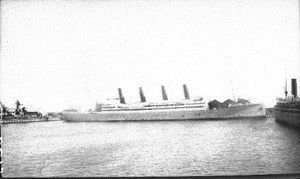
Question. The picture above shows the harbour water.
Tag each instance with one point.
(185, 148)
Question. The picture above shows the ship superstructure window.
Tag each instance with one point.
(155, 107)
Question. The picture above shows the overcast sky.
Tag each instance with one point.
(58, 54)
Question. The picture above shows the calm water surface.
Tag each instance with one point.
(185, 148)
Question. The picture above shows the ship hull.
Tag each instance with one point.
(245, 111)
(289, 116)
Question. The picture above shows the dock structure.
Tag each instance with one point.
(16, 120)
(186, 92)
(164, 93)
(142, 95)
(121, 97)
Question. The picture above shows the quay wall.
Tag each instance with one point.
(8, 121)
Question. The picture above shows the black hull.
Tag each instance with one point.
(287, 115)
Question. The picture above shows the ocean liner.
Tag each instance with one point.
(187, 109)
(288, 110)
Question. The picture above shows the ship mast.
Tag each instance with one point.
(232, 91)
(285, 87)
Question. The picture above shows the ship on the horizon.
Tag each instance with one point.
(287, 110)
(187, 109)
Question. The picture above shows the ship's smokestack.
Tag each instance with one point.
(164, 93)
(294, 87)
(186, 92)
(121, 97)
(143, 98)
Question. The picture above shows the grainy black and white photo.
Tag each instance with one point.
(159, 88)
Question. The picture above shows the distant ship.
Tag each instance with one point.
(187, 109)
(19, 115)
(288, 110)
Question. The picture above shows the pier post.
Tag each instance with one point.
(294, 87)
(186, 92)
(142, 95)
(121, 97)
(164, 93)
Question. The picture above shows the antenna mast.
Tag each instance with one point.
(285, 87)
(232, 91)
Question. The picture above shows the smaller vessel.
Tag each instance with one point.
(287, 110)
(19, 115)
